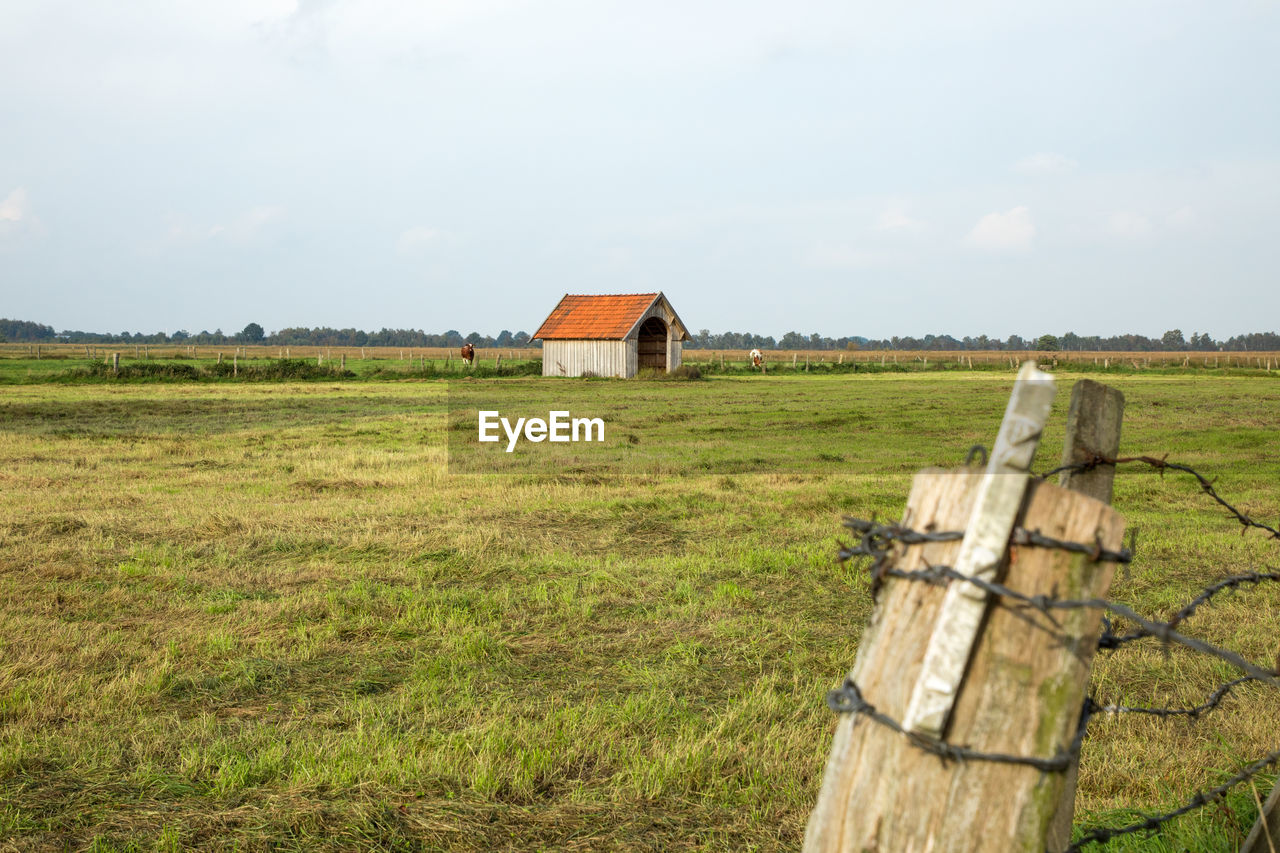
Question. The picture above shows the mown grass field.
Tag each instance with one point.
(266, 615)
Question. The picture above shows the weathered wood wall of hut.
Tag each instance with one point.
(574, 358)
(633, 356)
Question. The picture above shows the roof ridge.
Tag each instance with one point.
(606, 295)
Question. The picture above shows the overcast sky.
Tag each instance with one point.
(845, 168)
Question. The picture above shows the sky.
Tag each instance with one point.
(840, 167)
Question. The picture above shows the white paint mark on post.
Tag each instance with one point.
(985, 538)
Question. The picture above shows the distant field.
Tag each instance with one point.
(409, 359)
(250, 615)
(79, 363)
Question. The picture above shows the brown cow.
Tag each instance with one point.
(468, 354)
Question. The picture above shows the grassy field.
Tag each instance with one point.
(52, 362)
(254, 615)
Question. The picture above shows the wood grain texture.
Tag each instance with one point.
(1093, 427)
(1022, 693)
(995, 506)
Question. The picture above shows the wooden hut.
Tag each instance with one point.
(612, 335)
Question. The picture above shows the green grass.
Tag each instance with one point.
(261, 616)
(65, 365)
(67, 369)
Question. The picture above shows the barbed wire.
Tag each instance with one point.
(1150, 823)
(1215, 699)
(881, 541)
(1161, 464)
(848, 699)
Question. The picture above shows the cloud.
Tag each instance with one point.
(842, 256)
(247, 226)
(895, 218)
(1183, 217)
(420, 238)
(243, 228)
(1009, 231)
(1128, 225)
(1045, 163)
(249, 223)
(15, 206)
(16, 218)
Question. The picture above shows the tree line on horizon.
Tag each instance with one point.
(24, 331)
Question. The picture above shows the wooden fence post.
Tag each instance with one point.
(995, 506)
(1093, 428)
(115, 362)
(1021, 693)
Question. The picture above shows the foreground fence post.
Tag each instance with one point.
(1093, 429)
(1021, 693)
(986, 534)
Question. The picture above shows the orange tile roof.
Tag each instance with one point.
(595, 317)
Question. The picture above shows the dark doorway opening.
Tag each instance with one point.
(652, 345)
